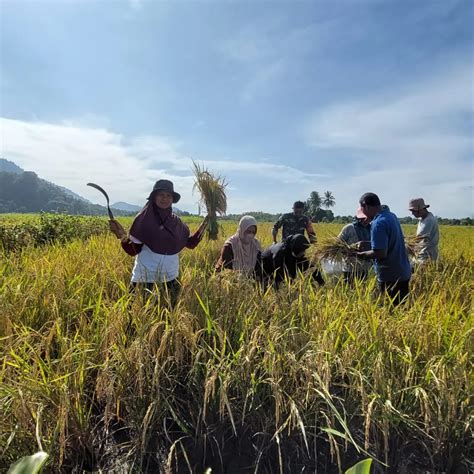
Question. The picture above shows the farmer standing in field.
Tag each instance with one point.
(427, 231)
(294, 223)
(156, 237)
(242, 251)
(387, 249)
(357, 232)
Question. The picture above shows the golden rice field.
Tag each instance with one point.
(306, 379)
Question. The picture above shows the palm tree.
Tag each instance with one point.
(313, 203)
(328, 200)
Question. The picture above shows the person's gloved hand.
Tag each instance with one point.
(117, 229)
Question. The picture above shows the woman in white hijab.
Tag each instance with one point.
(242, 251)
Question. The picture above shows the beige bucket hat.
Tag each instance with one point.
(417, 204)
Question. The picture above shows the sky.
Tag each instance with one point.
(281, 98)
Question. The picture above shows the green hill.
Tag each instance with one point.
(25, 192)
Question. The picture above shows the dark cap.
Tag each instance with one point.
(298, 205)
(165, 185)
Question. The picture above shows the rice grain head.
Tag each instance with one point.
(213, 196)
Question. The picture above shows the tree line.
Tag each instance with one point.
(318, 208)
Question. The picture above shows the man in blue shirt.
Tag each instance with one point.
(387, 249)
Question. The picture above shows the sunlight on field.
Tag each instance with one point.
(307, 376)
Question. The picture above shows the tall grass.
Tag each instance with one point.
(233, 377)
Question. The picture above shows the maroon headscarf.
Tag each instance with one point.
(160, 229)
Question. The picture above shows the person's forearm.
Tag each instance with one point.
(311, 232)
(371, 254)
(195, 238)
(274, 235)
(130, 247)
(368, 254)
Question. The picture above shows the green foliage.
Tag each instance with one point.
(328, 200)
(29, 464)
(362, 467)
(47, 229)
(259, 216)
(313, 204)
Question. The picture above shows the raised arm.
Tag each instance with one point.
(311, 232)
(194, 239)
(276, 226)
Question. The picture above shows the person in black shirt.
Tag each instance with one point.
(285, 259)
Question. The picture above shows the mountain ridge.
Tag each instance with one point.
(24, 191)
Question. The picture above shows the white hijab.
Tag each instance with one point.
(245, 251)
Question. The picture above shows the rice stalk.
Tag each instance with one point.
(413, 245)
(338, 250)
(335, 249)
(123, 383)
(213, 196)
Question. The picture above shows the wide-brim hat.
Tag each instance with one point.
(417, 204)
(165, 185)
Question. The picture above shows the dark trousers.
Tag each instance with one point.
(169, 290)
(397, 291)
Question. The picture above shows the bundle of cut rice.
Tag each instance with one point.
(335, 249)
(213, 196)
(413, 245)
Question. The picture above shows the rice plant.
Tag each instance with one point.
(335, 249)
(213, 196)
(234, 378)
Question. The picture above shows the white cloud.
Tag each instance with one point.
(408, 143)
(72, 155)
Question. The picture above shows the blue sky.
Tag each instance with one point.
(281, 98)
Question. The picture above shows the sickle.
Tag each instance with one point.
(96, 186)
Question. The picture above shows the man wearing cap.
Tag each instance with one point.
(294, 223)
(427, 231)
(387, 249)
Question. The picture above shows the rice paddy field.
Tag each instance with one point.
(306, 379)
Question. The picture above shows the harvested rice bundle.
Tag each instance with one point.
(335, 249)
(413, 245)
(213, 197)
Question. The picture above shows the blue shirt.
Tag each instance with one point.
(386, 234)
